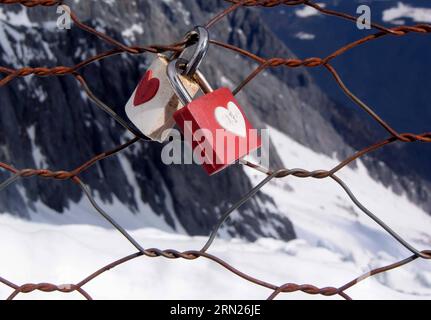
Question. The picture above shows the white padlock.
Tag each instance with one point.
(153, 103)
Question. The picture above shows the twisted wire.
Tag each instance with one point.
(264, 63)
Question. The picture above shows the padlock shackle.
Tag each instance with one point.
(203, 82)
(201, 49)
(174, 70)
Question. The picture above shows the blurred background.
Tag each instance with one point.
(295, 230)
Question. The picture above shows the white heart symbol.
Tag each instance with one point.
(231, 119)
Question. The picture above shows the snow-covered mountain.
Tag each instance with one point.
(48, 122)
(335, 244)
(391, 75)
(58, 127)
(397, 64)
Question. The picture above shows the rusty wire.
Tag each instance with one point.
(73, 175)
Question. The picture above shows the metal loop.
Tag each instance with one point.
(175, 68)
(202, 35)
(173, 72)
(203, 82)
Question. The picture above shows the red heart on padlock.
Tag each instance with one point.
(147, 89)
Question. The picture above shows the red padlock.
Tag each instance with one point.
(214, 124)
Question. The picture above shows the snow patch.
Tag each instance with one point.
(402, 10)
(305, 36)
(333, 246)
(38, 157)
(131, 32)
(307, 11)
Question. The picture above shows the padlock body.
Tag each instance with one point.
(217, 127)
(153, 103)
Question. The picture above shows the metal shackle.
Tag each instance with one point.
(174, 70)
(190, 68)
(201, 36)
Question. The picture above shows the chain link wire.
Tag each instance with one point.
(9, 74)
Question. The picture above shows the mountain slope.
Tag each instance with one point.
(389, 74)
(63, 121)
(50, 123)
(336, 244)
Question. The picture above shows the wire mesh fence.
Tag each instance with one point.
(9, 74)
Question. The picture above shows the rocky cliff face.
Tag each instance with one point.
(48, 122)
(387, 74)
